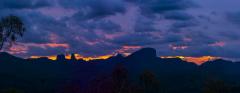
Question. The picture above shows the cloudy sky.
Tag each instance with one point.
(100, 27)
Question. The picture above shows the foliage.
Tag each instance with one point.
(11, 27)
(216, 86)
(149, 82)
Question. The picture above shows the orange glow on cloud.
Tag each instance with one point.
(46, 45)
(53, 45)
(126, 50)
(132, 47)
(18, 49)
(23, 48)
(196, 60)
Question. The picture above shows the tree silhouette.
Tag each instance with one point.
(11, 27)
(149, 82)
(216, 86)
(12, 90)
(116, 82)
(70, 88)
(120, 79)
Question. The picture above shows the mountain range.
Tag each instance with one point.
(175, 74)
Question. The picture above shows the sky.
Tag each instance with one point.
(102, 27)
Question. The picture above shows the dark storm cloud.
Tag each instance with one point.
(184, 24)
(90, 9)
(234, 17)
(138, 39)
(105, 25)
(178, 16)
(41, 26)
(109, 26)
(42, 52)
(34, 22)
(98, 27)
(161, 6)
(230, 36)
(23, 4)
(173, 38)
(144, 24)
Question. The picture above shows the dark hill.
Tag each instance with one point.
(6, 57)
(174, 75)
(144, 54)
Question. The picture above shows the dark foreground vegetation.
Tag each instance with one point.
(141, 72)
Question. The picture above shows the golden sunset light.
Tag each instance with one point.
(196, 60)
(77, 56)
(119, 46)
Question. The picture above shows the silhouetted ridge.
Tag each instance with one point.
(3, 54)
(118, 57)
(40, 60)
(145, 52)
(139, 72)
(6, 57)
(176, 60)
(221, 60)
(218, 62)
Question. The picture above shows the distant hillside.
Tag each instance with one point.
(174, 74)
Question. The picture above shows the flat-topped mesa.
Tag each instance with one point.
(73, 57)
(145, 53)
(61, 58)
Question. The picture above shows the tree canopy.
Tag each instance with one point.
(11, 28)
